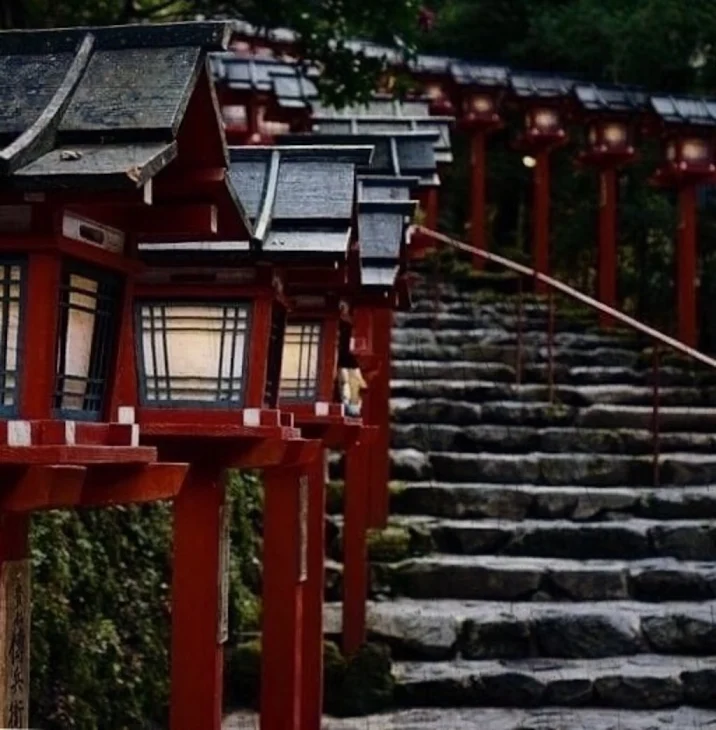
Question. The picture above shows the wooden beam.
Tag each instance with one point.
(106, 486)
(190, 184)
(187, 219)
(44, 487)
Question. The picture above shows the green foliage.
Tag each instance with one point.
(100, 617)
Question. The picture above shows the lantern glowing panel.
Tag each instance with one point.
(695, 150)
(481, 103)
(192, 352)
(85, 341)
(543, 120)
(11, 285)
(615, 134)
(299, 367)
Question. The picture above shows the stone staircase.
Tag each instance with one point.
(545, 581)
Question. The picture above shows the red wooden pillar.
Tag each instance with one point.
(312, 666)
(376, 412)
(478, 238)
(197, 610)
(686, 266)
(432, 203)
(284, 574)
(607, 274)
(355, 554)
(14, 620)
(541, 217)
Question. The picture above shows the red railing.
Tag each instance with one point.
(659, 339)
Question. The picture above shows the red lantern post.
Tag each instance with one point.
(543, 99)
(608, 113)
(687, 127)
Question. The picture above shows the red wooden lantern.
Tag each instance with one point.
(686, 127)
(544, 101)
(609, 114)
(77, 185)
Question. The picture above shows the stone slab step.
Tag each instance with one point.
(595, 470)
(613, 539)
(487, 718)
(418, 386)
(640, 682)
(443, 629)
(507, 578)
(520, 501)
(525, 439)
(625, 416)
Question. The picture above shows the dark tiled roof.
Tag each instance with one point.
(683, 110)
(97, 107)
(539, 86)
(286, 81)
(299, 199)
(385, 187)
(610, 98)
(380, 106)
(399, 154)
(467, 73)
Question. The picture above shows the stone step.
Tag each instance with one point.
(418, 387)
(443, 629)
(641, 682)
(613, 539)
(545, 718)
(541, 414)
(523, 501)
(525, 439)
(507, 578)
(594, 470)
(501, 372)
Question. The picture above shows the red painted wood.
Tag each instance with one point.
(124, 387)
(328, 359)
(607, 268)
(312, 630)
(26, 455)
(540, 253)
(257, 362)
(182, 220)
(281, 640)
(478, 218)
(14, 531)
(196, 655)
(686, 266)
(355, 553)
(376, 412)
(42, 487)
(37, 381)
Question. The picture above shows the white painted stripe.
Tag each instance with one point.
(19, 433)
(252, 417)
(70, 433)
(134, 439)
(322, 409)
(126, 414)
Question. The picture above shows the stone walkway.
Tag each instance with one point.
(489, 719)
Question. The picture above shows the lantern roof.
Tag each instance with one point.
(371, 124)
(382, 226)
(299, 199)
(684, 110)
(381, 105)
(281, 35)
(527, 85)
(468, 73)
(425, 63)
(620, 99)
(99, 108)
(385, 187)
(286, 81)
(400, 154)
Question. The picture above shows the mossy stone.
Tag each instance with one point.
(389, 545)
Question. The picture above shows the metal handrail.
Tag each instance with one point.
(556, 285)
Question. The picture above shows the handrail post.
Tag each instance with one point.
(655, 412)
(520, 316)
(550, 345)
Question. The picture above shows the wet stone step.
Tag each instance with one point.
(547, 718)
(502, 578)
(523, 501)
(525, 439)
(444, 629)
(593, 470)
(670, 418)
(641, 682)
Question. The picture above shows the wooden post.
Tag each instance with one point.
(355, 554)
(14, 621)
(686, 266)
(285, 569)
(376, 412)
(540, 252)
(478, 236)
(607, 268)
(199, 595)
(312, 666)
(431, 208)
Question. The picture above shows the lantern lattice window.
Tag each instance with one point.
(12, 285)
(193, 353)
(85, 341)
(299, 368)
